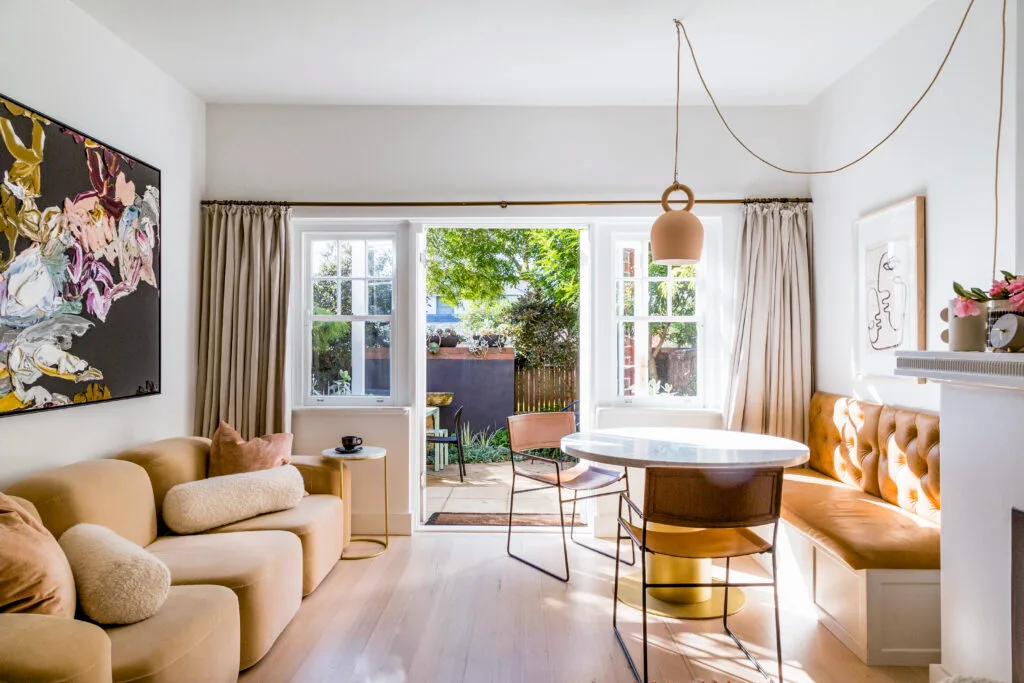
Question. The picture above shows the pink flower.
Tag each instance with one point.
(997, 289)
(1017, 302)
(1015, 286)
(964, 308)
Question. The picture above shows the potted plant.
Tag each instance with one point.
(449, 339)
(1005, 296)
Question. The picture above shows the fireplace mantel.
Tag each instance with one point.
(981, 408)
(1000, 370)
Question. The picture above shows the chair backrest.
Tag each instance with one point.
(712, 499)
(529, 431)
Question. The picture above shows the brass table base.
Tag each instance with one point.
(629, 594)
(383, 544)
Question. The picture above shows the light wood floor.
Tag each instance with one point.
(452, 607)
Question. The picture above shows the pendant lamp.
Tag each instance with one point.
(677, 236)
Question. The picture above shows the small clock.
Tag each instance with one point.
(1008, 333)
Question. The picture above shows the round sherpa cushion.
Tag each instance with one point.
(209, 503)
(118, 582)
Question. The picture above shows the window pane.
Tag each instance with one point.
(345, 290)
(378, 359)
(652, 269)
(345, 258)
(627, 359)
(657, 298)
(325, 258)
(380, 259)
(331, 359)
(629, 262)
(684, 298)
(378, 297)
(672, 367)
(325, 297)
(625, 298)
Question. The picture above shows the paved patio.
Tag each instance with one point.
(486, 489)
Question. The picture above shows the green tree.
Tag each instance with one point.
(480, 264)
(544, 332)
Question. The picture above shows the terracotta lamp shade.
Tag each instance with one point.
(677, 236)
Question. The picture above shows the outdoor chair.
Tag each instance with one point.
(722, 506)
(532, 431)
(455, 440)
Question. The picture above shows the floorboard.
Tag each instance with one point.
(452, 607)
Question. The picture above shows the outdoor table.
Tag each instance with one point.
(710, 449)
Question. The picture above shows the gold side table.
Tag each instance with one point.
(366, 453)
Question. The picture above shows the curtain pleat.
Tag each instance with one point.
(243, 313)
(770, 380)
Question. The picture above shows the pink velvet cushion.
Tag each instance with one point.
(231, 454)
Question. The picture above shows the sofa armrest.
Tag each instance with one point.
(320, 474)
(328, 476)
(37, 647)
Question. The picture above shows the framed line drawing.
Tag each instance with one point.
(891, 295)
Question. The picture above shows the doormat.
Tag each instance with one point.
(497, 519)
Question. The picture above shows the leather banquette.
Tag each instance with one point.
(870, 493)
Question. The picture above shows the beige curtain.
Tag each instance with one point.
(771, 383)
(243, 319)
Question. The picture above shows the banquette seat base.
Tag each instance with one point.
(861, 534)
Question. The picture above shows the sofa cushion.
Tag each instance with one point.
(112, 493)
(38, 647)
(170, 462)
(208, 503)
(263, 568)
(231, 454)
(117, 581)
(887, 452)
(193, 637)
(318, 522)
(34, 573)
(862, 530)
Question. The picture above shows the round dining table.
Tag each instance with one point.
(711, 449)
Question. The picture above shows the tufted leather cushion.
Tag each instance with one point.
(891, 453)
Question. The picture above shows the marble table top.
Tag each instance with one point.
(679, 447)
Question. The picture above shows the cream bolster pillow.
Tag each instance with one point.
(118, 582)
(209, 503)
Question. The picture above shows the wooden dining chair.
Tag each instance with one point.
(534, 431)
(723, 506)
(452, 440)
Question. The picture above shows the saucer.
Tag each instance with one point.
(344, 451)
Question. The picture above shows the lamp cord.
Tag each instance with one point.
(714, 103)
(679, 60)
(999, 140)
(681, 29)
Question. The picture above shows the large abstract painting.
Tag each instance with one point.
(890, 285)
(79, 267)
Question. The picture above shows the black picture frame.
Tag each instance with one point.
(104, 264)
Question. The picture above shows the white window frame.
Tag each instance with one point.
(303, 388)
(609, 274)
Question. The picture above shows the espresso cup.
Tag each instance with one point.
(350, 442)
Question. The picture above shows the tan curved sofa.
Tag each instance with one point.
(194, 636)
(268, 563)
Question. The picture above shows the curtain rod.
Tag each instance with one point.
(502, 204)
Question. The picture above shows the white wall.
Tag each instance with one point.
(945, 151)
(492, 153)
(65, 64)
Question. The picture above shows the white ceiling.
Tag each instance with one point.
(529, 52)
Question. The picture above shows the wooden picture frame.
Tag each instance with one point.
(891, 287)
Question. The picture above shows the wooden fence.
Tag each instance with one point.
(545, 389)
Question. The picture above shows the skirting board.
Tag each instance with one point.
(936, 674)
(373, 524)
